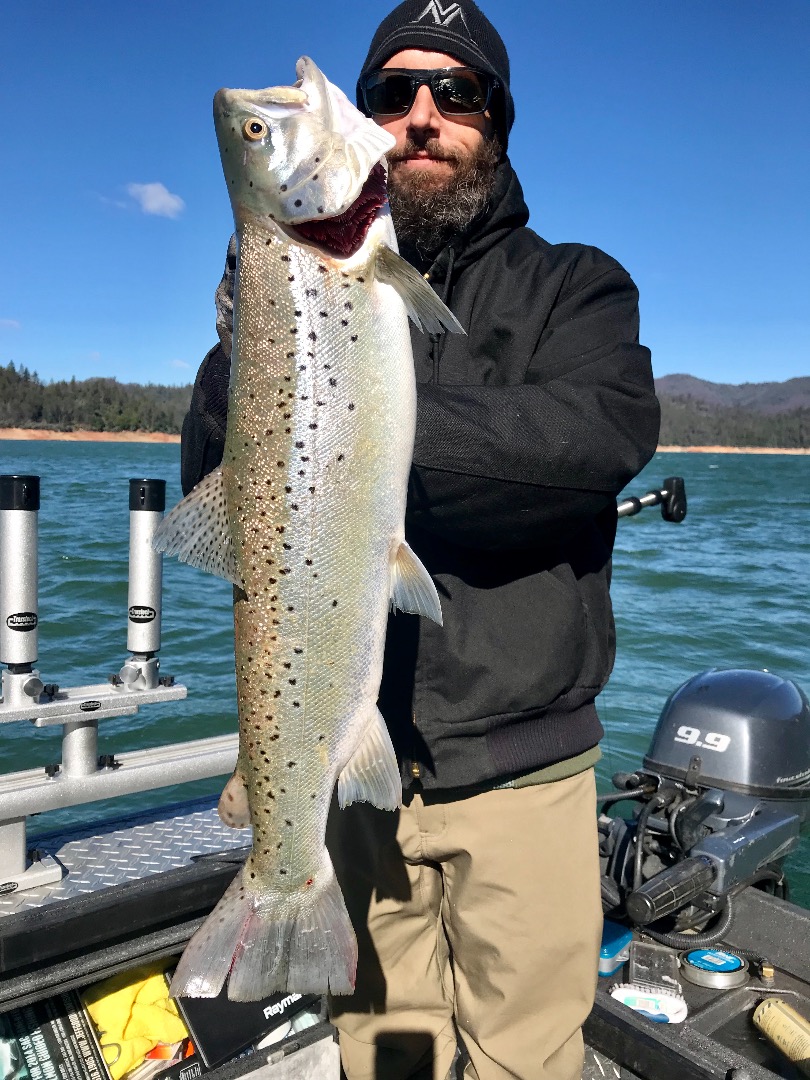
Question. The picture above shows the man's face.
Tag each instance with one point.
(428, 143)
(441, 172)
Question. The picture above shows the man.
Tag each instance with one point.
(477, 905)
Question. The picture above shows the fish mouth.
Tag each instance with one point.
(344, 235)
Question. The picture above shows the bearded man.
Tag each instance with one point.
(477, 906)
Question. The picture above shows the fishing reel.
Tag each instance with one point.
(722, 796)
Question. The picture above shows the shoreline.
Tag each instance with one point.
(44, 435)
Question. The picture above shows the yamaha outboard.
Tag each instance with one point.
(722, 795)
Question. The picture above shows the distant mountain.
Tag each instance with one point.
(768, 397)
(695, 412)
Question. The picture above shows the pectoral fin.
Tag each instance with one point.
(412, 587)
(372, 773)
(197, 530)
(424, 306)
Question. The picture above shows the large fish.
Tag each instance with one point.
(306, 518)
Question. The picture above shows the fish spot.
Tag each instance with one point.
(346, 285)
(324, 314)
(340, 457)
(308, 562)
(334, 603)
(361, 280)
(288, 489)
(296, 704)
(282, 872)
(297, 202)
(297, 314)
(303, 458)
(344, 322)
(299, 446)
(280, 464)
(312, 491)
(277, 693)
(320, 402)
(322, 269)
(350, 406)
(286, 546)
(313, 427)
(320, 209)
(291, 277)
(313, 336)
(354, 337)
(293, 329)
(333, 382)
(285, 258)
(310, 292)
(290, 764)
(283, 187)
(298, 651)
(349, 306)
(290, 356)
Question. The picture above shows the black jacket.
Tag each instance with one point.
(527, 429)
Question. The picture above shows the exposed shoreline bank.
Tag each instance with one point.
(43, 435)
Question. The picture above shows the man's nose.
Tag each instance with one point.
(424, 113)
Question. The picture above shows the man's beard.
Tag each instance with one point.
(428, 211)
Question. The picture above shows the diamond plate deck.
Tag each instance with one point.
(100, 856)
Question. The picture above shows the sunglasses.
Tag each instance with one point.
(457, 91)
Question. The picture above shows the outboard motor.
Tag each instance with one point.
(723, 793)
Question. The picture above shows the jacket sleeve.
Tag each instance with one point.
(202, 441)
(503, 467)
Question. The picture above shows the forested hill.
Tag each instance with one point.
(694, 412)
(89, 404)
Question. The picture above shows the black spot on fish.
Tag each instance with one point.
(308, 562)
(334, 603)
(320, 209)
(297, 314)
(323, 269)
(310, 292)
(303, 458)
(361, 279)
(340, 457)
(333, 382)
(297, 202)
(350, 406)
(296, 704)
(313, 336)
(299, 446)
(324, 314)
(344, 322)
(314, 176)
(283, 187)
(293, 329)
(313, 426)
(354, 337)
(291, 277)
(298, 651)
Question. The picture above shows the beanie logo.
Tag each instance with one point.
(443, 16)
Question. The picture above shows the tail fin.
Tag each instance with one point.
(299, 942)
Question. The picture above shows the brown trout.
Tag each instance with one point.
(306, 517)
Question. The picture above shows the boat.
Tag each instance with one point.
(692, 864)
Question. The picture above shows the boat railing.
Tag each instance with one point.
(83, 775)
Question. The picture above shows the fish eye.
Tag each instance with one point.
(254, 129)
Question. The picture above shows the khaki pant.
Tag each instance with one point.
(479, 917)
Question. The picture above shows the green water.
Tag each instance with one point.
(726, 588)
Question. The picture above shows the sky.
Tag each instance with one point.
(671, 133)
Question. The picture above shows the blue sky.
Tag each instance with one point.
(671, 133)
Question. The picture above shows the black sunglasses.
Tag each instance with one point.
(457, 91)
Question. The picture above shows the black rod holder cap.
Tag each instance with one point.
(19, 492)
(673, 508)
(147, 495)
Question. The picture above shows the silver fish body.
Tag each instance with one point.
(306, 517)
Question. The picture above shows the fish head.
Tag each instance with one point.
(297, 153)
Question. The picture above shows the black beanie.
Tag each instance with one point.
(461, 30)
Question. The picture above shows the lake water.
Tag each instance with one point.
(726, 588)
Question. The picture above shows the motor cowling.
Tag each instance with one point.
(750, 730)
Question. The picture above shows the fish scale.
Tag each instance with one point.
(306, 517)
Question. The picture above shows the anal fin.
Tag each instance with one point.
(372, 774)
(412, 587)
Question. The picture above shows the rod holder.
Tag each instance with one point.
(19, 579)
(147, 501)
